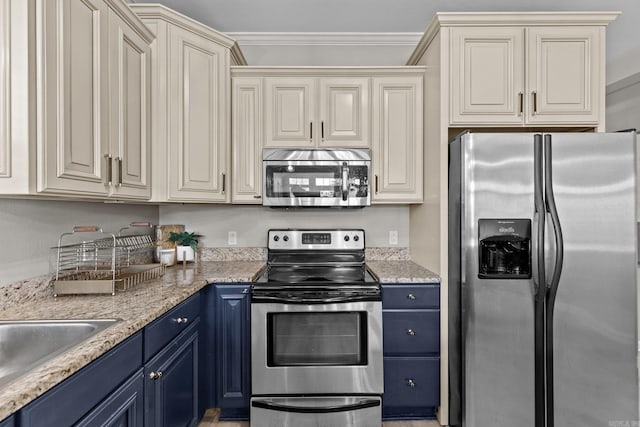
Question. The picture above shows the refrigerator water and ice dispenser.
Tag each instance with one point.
(504, 248)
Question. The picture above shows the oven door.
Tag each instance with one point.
(316, 183)
(323, 348)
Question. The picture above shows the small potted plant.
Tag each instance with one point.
(186, 245)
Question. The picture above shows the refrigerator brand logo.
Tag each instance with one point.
(507, 230)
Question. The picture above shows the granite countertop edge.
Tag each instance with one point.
(138, 307)
(401, 271)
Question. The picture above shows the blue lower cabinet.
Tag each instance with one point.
(123, 408)
(90, 388)
(411, 387)
(171, 384)
(411, 346)
(8, 422)
(233, 350)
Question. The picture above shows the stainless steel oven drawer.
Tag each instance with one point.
(335, 411)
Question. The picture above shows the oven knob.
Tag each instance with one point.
(346, 238)
(356, 238)
(285, 238)
(276, 238)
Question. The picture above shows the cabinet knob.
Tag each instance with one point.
(411, 332)
(246, 291)
(181, 320)
(411, 383)
(155, 375)
(257, 197)
(411, 297)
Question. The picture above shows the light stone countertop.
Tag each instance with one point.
(137, 307)
(402, 271)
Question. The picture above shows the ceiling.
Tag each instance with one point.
(242, 19)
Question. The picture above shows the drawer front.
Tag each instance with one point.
(411, 296)
(411, 332)
(167, 327)
(411, 382)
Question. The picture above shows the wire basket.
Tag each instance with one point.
(90, 261)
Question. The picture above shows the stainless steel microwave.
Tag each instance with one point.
(316, 177)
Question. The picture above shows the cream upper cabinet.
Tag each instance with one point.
(191, 100)
(330, 107)
(317, 111)
(246, 140)
(564, 77)
(289, 112)
(526, 75)
(130, 96)
(344, 112)
(78, 103)
(73, 60)
(397, 139)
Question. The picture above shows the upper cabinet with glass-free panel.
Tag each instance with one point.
(525, 69)
(303, 110)
(329, 107)
(192, 102)
(73, 68)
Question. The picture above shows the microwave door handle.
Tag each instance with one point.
(345, 181)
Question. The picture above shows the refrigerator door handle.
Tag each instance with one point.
(540, 286)
(539, 215)
(552, 286)
(555, 220)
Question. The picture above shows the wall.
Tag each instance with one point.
(252, 222)
(29, 228)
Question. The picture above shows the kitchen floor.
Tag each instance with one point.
(210, 419)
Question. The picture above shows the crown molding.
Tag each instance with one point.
(325, 39)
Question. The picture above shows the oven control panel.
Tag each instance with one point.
(350, 239)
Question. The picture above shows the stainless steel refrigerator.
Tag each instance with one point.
(542, 280)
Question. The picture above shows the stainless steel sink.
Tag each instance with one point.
(26, 344)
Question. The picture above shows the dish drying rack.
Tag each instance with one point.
(101, 263)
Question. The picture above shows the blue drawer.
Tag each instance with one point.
(411, 382)
(409, 296)
(411, 332)
(161, 331)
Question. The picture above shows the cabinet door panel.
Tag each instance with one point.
(487, 72)
(247, 140)
(397, 140)
(123, 408)
(73, 136)
(233, 348)
(344, 112)
(198, 150)
(564, 73)
(171, 382)
(130, 94)
(289, 112)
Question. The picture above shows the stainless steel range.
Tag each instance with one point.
(316, 333)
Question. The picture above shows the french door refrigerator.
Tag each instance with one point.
(542, 280)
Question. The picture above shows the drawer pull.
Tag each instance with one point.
(411, 383)
(155, 375)
(412, 297)
(181, 320)
(411, 332)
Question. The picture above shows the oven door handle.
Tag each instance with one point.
(304, 300)
(367, 403)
